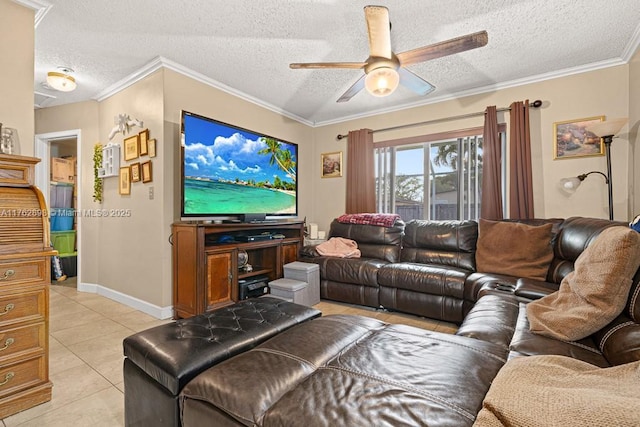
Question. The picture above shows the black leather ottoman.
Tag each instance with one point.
(160, 361)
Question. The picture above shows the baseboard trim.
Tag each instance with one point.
(133, 302)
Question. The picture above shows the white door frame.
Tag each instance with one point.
(42, 151)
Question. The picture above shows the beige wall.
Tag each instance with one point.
(634, 134)
(602, 92)
(130, 247)
(16, 71)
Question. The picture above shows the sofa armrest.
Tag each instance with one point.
(309, 251)
(534, 289)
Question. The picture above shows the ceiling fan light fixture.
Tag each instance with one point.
(382, 81)
(61, 80)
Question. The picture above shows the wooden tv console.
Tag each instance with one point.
(205, 260)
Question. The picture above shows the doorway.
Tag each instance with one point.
(58, 177)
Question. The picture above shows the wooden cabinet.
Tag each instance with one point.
(25, 274)
(205, 260)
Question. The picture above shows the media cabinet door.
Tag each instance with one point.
(219, 286)
(289, 252)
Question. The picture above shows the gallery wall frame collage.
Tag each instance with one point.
(141, 148)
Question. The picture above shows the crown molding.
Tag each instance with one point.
(160, 62)
(41, 7)
(481, 90)
(147, 69)
(632, 45)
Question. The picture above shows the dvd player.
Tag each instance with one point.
(253, 237)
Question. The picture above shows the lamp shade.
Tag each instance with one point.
(61, 81)
(607, 128)
(570, 184)
(382, 81)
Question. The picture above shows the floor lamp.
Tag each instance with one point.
(605, 130)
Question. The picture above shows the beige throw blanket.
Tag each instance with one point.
(560, 391)
(339, 247)
(595, 293)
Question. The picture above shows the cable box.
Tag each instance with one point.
(253, 237)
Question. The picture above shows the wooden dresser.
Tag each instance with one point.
(25, 276)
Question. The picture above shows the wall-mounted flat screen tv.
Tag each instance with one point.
(229, 171)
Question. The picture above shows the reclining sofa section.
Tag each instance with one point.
(428, 268)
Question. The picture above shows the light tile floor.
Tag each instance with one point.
(85, 361)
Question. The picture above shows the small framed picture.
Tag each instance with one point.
(144, 141)
(331, 164)
(146, 172)
(152, 147)
(571, 139)
(135, 172)
(125, 180)
(131, 148)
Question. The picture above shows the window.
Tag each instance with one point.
(438, 179)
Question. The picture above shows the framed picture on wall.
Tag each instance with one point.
(125, 181)
(146, 172)
(144, 141)
(131, 148)
(152, 147)
(571, 139)
(135, 172)
(331, 164)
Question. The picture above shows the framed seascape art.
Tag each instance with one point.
(125, 180)
(571, 139)
(131, 148)
(331, 164)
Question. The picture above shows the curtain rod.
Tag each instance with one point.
(535, 104)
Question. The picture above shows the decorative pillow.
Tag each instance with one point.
(514, 249)
(594, 293)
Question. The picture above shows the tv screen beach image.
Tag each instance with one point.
(228, 170)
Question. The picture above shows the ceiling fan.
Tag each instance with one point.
(383, 69)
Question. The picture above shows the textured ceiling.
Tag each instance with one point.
(247, 45)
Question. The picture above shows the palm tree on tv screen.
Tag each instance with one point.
(278, 155)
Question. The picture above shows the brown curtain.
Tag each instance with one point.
(361, 195)
(521, 182)
(491, 205)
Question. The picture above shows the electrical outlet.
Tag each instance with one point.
(150, 193)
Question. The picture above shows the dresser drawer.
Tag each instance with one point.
(24, 271)
(21, 340)
(23, 374)
(22, 306)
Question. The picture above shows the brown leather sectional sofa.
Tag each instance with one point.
(357, 371)
(428, 268)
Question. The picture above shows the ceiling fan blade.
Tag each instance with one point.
(379, 31)
(353, 90)
(355, 65)
(414, 82)
(448, 47)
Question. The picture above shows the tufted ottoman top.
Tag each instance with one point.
(174, 353)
